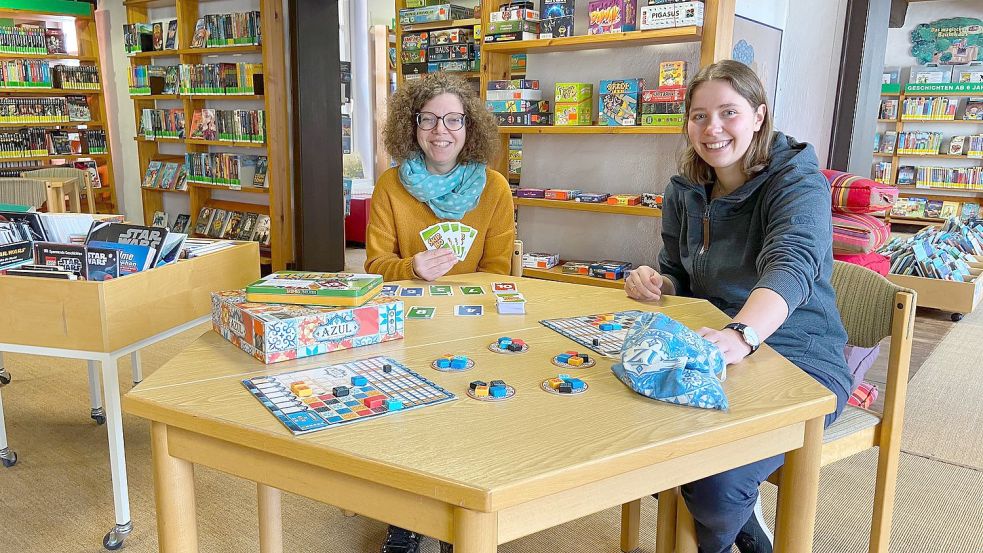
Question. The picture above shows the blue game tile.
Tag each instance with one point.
(359, 381)
(335, 419)
(360, 396)
(353, 403)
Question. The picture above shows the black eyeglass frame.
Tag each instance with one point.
(464, 120)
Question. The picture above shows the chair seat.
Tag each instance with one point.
(850, 421)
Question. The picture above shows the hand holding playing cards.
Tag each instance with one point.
(433, 264)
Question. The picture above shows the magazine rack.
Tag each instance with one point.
(103, 321)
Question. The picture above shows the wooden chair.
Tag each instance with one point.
(82, 184)
(871, 308)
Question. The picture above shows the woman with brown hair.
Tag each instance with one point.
(443, 138)
(746, 225)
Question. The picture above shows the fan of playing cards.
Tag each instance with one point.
(455, 236)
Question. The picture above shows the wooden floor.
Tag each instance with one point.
(931, 325)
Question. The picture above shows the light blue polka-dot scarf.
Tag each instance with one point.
(450, 196)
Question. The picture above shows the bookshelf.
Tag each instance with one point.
(274, 200)
(83, 52)
(949, 128)
(714, 39)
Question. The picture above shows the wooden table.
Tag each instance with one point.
(99, 322)
(56, 193)
(478, 474)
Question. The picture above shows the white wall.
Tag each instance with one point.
(644, 163)
(382, 12)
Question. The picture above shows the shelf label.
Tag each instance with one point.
(945, 88)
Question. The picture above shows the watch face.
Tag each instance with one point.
(751, 337)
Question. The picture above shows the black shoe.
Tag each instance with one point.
(399, 540)
(755, 537)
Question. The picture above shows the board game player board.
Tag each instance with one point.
(587, 329)
(308, 400)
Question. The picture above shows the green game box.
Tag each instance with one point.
(310, 288)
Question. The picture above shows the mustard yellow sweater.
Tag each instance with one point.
(396, 219)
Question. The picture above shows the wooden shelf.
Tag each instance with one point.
(50, 91)
(435, 25)
(940, 191)
(586, 129)
(9, 55)
(162, 190)
(247, 189)
(897, 219)
(637, 210)
(57, 156)
(155, 54)
(159, 139)
(958, 121)
(590, 42)
(940, 156)
(149, 3)
(223, 96)
(887, 120)
(882, 154)
(62, 124)
(557, 274)
(224, 143)
(138, 97)
(215, 50)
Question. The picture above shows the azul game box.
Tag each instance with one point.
(309, 288)
(278, 332)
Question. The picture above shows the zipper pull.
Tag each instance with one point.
(706, 229)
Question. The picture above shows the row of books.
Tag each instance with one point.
(920, 208)
(233, 125)
(233, 225)
(938, 252)
(209, 78)
(149, 37)
(953, 71)
(927, 143)
(227, 29)
(227, 169)
(965, 178)
(31, 39)
(64, 109)
(25, 73)
(882, 172)
(165, 175)
(41, 142)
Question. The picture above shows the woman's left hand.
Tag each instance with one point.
(729, 341)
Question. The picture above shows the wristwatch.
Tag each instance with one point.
(748, 334)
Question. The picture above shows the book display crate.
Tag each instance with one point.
(62, 20)
(947, 295)
(269, 95)
(101, 321)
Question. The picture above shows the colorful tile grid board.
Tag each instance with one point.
(586, 328)
(322, 409)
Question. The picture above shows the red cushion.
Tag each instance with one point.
(874, 261)
(854, 233)
(853, 194)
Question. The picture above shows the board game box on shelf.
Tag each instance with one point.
(278, 332)
(308, 288)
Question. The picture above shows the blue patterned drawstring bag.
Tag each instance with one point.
(665, 360)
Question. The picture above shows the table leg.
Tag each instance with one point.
(665, 531)
(270, 520)
(631, 514)
(6, 456)
(475, 532)
(174, 486)
(685, 527)
(117, 457)
(137, 367)
(798, 491)
(95, 393)
(55, 197)
(74, 200)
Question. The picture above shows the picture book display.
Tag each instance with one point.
(273, 332)
(314, 399)
(456, 236)
(604, 333)
(309, 288)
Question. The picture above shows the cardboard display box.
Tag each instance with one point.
(947, 295)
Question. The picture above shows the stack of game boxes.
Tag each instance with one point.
(618, 102)
(429, 11)
(664, 106)
(611, 16)
(514, 21)
(515, 156)
(610, 270)
(517, 102)
(414, 53)
(557, 19)
(452, 50)
(574, 104)
(666, 14)
(540, 260)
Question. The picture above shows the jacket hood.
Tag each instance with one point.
(787, 156)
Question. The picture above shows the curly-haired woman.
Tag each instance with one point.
(443, 137)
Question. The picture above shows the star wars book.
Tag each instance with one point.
(70, 257)
(122, 233)
(102, 263)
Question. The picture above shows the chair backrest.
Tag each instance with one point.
(70, 172)
(866, 301)
(22, 191)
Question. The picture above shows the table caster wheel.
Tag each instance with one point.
(4, 377)
(8, 458)
(956, 317)
(114, 539)
(99, 415)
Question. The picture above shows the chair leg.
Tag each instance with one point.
(631, 514)
(884, 488)
(685, 528)
(665, 535)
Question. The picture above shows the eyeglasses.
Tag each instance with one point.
(452, 121)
